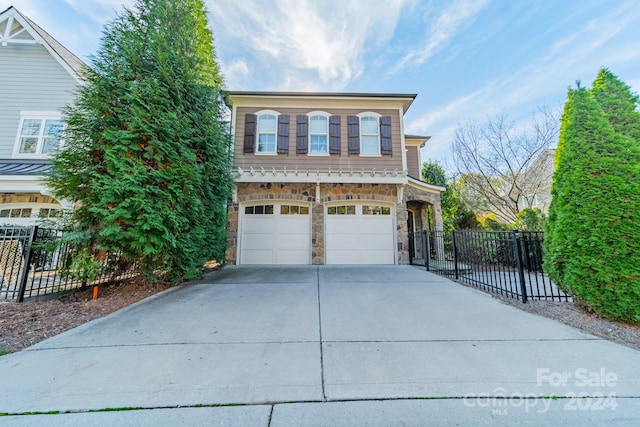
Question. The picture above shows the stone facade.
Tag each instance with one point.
(318, 195)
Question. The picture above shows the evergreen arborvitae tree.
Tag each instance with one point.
(618, 103)
(147, 156)
(592, 241)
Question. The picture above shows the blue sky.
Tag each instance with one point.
(466, 59)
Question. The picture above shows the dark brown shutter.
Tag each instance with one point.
(250, 133)
(385, 135)
(353, 133)
(283, 134)
(334, 135)
(302, 130)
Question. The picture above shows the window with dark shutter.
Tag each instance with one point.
(353, 133)
(385, 135)
(283, 134)
(250, 121)
(334, 135)
(302, 129)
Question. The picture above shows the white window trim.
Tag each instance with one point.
(310, 115)
(34, 206)
(377, 116)
(275, 147)
(35, 115)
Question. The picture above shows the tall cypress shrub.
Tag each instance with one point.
(146, 155)
(592, 244)
(618, 103)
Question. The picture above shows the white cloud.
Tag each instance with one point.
(327, 38)
(451, 21)
(234, 72)
(99, 11)
(542, 81)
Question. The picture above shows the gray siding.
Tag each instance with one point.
(303, 161)
(413, 162)
(32, 80)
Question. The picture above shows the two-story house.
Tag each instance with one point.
(325, 178)
(39, 76)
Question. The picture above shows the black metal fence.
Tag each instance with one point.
(36, 261)
(505, 262)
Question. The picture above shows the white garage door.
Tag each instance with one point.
(359, 234)
(275, 234)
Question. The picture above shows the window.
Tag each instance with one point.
(294, 210)
(341, 210)
(318, 134)
(267, 126)
(39, 136)
(49, 213)
(259, 210)
(376, 210)
(369, 135)
(15, 213)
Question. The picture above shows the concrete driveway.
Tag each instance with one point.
(309, 345)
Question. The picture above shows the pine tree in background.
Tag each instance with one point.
(147, 156)
(592, 240)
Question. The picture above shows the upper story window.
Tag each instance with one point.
(318, 133)
(39, 135)
(267, 131)
(369, 135)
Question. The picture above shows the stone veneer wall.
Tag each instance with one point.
(306, 192)
(413, 194)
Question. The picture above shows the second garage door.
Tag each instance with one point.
(275, 234)
(359, 234)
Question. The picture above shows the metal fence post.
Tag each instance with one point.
(516, 242)
(24, 275)
(455, 253)
(426, 247)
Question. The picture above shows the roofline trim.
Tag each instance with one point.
(322, 94)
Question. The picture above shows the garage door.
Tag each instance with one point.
(275, 234)
(359, 234)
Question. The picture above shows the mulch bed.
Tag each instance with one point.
(27, 323)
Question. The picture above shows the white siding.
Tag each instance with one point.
(31, 80)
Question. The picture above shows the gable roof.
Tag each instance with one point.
(19, 29)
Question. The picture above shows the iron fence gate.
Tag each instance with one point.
(36, 261)
(505, 262)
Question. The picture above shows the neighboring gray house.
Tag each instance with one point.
(536, 182)
(39, 76)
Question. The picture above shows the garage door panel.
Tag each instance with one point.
(258, 225)
(277, 237)
(291, 241)
(342, 241)
(294, 225)
(285, 256)
(376, 257)
(257, 241)
(338, 256)
(342, 225)
(254, 256)
(360, 238)
(379, 240)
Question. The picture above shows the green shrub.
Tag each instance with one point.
(592, 240)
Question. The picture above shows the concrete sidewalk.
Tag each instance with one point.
(343, 345)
